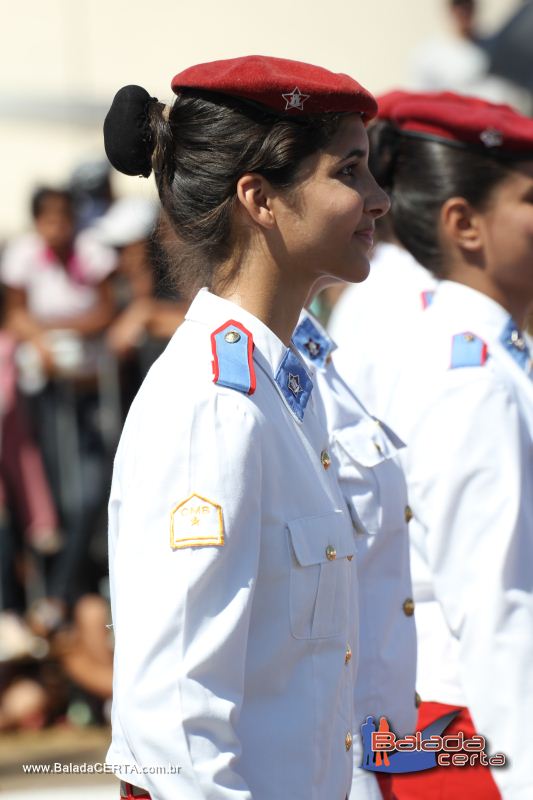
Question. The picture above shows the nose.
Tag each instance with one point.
(378, 201)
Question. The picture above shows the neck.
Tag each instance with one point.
(273, 295)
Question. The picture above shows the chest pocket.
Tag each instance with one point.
(321, 576)
(371, 477)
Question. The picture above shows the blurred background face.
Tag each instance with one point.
(508, 233)
(464, 13)
(55, 223)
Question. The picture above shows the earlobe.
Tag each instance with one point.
(254, 196)
(461, 224)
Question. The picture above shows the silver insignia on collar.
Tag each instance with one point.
(293, 384)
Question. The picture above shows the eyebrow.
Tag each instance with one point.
(356, 152)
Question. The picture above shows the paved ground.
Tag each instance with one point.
(65, 745)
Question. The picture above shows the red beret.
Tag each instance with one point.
(456, 118)
(284, 86)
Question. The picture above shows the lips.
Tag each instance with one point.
(367, 235)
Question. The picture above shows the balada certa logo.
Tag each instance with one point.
(383, 751)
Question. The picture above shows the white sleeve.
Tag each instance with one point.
(471, 486)
(18, 261)
(181, 616)
(97, 261)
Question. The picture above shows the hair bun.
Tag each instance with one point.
(128, 140)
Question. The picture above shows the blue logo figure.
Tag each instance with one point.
(401, 761)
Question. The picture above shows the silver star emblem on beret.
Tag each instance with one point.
(491, 137)
(295, 99)
(293, 384)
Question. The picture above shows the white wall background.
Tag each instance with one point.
(62, 60)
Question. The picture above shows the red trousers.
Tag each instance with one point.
(446, 783)
(126, 792)
(385, 786)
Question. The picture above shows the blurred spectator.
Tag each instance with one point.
(58, 300)
(92, 194)
(455, 61)
(27, 512)
(24, 489)
(55, 280)
(70, 680)
(150, 308)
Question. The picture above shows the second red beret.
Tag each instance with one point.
(460, 119)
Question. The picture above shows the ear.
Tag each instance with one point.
(461, 224)
(254, 193)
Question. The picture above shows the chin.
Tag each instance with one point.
(358, 273)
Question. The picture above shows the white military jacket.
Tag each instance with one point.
(370, 318)
(464, 404)
(234, 593)
(366, 456)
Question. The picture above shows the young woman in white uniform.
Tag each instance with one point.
(461, 173)
(231, 555)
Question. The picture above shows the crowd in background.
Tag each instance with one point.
(86, 307)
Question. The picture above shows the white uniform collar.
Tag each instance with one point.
(466, 307)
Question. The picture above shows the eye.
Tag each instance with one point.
(348, 171)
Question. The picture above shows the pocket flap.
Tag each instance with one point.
(312, 536)
(369, 442)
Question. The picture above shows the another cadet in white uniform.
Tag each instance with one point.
(365, 454)
(233, 581)
(463, 401)
(371, 320)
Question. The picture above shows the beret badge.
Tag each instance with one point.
(491, 137)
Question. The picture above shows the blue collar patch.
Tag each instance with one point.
(312, 343)
(514, 342)
(295, 384)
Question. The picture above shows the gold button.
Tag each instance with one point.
(328, 359)
(325, 459)
(408, 513)
(349, 558)
(378, 447)
(418, 700)
(468, 337)
(331, 553)
(232, 337)
(348, 654)
(348, 741)
(409, 607)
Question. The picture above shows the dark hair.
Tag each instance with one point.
(43, 194)
(200, 153)
(420, 174)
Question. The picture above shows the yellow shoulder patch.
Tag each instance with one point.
(196, 522)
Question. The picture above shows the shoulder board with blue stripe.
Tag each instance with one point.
(426, 298)
(233, 346)
(468, 350)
